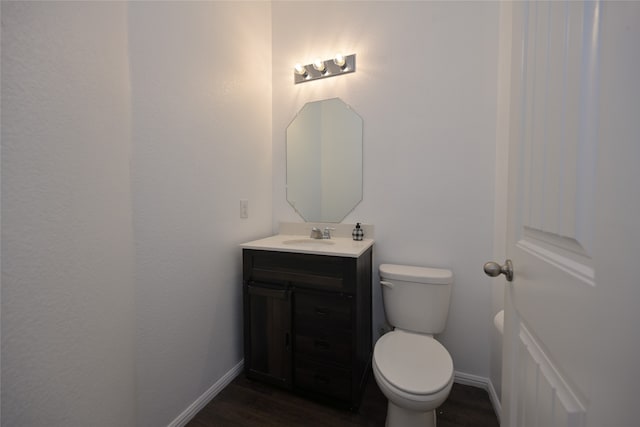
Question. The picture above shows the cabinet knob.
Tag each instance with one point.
(321, 344)
(321, 379)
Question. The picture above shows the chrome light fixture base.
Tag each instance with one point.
(332, 69)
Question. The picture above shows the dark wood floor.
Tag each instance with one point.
(246, 403)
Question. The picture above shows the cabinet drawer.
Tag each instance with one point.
(317, 311)
(330, 273)
(334, 348)
(322, 379)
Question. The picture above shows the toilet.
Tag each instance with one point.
(412, 369)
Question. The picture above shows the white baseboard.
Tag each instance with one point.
(495, 400)
(207, 396)
(480, 382)
(470, 379)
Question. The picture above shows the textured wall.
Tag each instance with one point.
(130, 133)
(201, 79)
(426, 88)
(68, 319)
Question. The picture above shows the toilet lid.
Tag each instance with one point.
(413, 363)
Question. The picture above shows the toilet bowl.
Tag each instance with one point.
(412, 369)
(415, 373)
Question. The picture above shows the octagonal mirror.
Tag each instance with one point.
(324, 161)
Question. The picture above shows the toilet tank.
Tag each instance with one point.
(416, 298)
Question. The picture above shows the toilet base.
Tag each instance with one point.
(401, 417)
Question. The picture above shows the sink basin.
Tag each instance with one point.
(310, 242)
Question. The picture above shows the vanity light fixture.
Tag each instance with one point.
(319, 69)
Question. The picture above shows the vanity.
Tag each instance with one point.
(307, 315)
(307, 302)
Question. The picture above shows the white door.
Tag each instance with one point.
(572, 312)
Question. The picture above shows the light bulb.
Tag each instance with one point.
(318, 64)
(300, 70)
(340, 61)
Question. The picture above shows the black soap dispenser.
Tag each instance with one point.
(358, 233)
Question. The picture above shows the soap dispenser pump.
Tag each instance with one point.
(358, 233)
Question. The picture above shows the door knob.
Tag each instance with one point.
(494, 269)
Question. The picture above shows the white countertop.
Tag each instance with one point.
(336, 246)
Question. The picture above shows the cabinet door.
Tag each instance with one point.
(268, 333)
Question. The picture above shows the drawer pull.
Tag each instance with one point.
(321, 379)
(321, 344)
(322, 311)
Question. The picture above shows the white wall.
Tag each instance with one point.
(130, 133)
(68, 320)
(426, 88)
(201, 90)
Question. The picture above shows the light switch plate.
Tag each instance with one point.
(244, 208)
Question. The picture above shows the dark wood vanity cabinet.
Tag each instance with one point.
(307, 322)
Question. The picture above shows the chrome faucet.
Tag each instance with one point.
(316, 233)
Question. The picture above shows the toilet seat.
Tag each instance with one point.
(414, 363)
